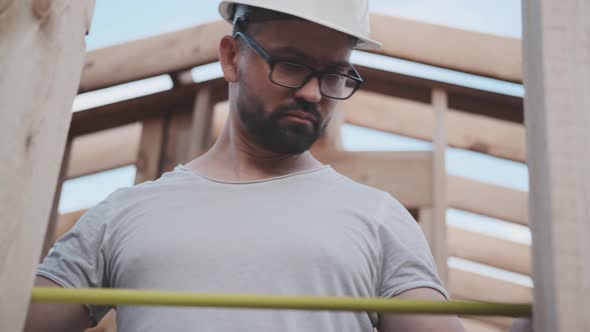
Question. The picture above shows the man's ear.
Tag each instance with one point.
(228, 58)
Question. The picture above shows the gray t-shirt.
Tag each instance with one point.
(308, 233)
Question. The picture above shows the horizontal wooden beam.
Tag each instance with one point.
(488, 199)
(473, 132)
(471, 52)
(153, 56)
(460, 98)
(489, 250)
(104, 150)
(462, 50)
(476, 287)
(140, 108)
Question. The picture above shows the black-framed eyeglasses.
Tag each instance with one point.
(293, 75)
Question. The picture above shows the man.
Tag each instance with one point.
(257, 213)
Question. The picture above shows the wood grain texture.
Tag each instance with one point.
(465, 285)
(472, 52)
(149, 154)
(162, 54)
(556, 36)
(104, 150)
(53, 216)
(200, 139)
(489, 250)
(42, 50)
(489, 199)
(439, 183)
(177, 136)
(473, 132)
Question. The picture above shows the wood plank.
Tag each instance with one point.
(104, 150)
(439, 183)
(476, 287)
(177, 136)
(42, 47)
(472, 52)
(489, 250)
(557, 80)
(140, 108)
(488, 199)
(150, 150)
(153, 56)
(406, 175)
(53, 216)
(461, 98)
(200, 139)
(477, 53)
(473, 132)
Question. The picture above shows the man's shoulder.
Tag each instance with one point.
(143, 192)
(350, 186)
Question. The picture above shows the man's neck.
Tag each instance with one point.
(235, 158)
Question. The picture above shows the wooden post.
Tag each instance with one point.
(177, 136)
(556, 36)
(439, 183)
(42, 52)
(54, 215)
(200, 138)
(150, 150)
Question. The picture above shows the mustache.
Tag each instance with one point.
(298, 105)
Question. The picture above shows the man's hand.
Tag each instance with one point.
(420, 323)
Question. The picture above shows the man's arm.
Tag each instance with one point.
(49, 317)
(420, 323)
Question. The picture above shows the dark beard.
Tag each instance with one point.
(272, 132)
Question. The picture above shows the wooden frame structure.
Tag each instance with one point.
(42, 53)
(158, 131)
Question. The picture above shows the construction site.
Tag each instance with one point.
(45, 144)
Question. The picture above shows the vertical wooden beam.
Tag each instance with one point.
(556, 36)
(54, 216)
(202, 123)
(150, 150)
(439, 182)
(177, 136)
(42, 50)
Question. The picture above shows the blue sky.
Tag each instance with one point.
(122, 21)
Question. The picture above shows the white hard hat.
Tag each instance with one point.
(348, 16)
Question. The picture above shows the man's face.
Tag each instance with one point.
(271, 115)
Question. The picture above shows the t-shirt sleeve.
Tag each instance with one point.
(407, 260)
(78, 259)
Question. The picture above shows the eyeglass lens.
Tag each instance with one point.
(293, 75)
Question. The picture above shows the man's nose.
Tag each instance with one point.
(310, 91)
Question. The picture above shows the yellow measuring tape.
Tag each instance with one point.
(109, 296)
